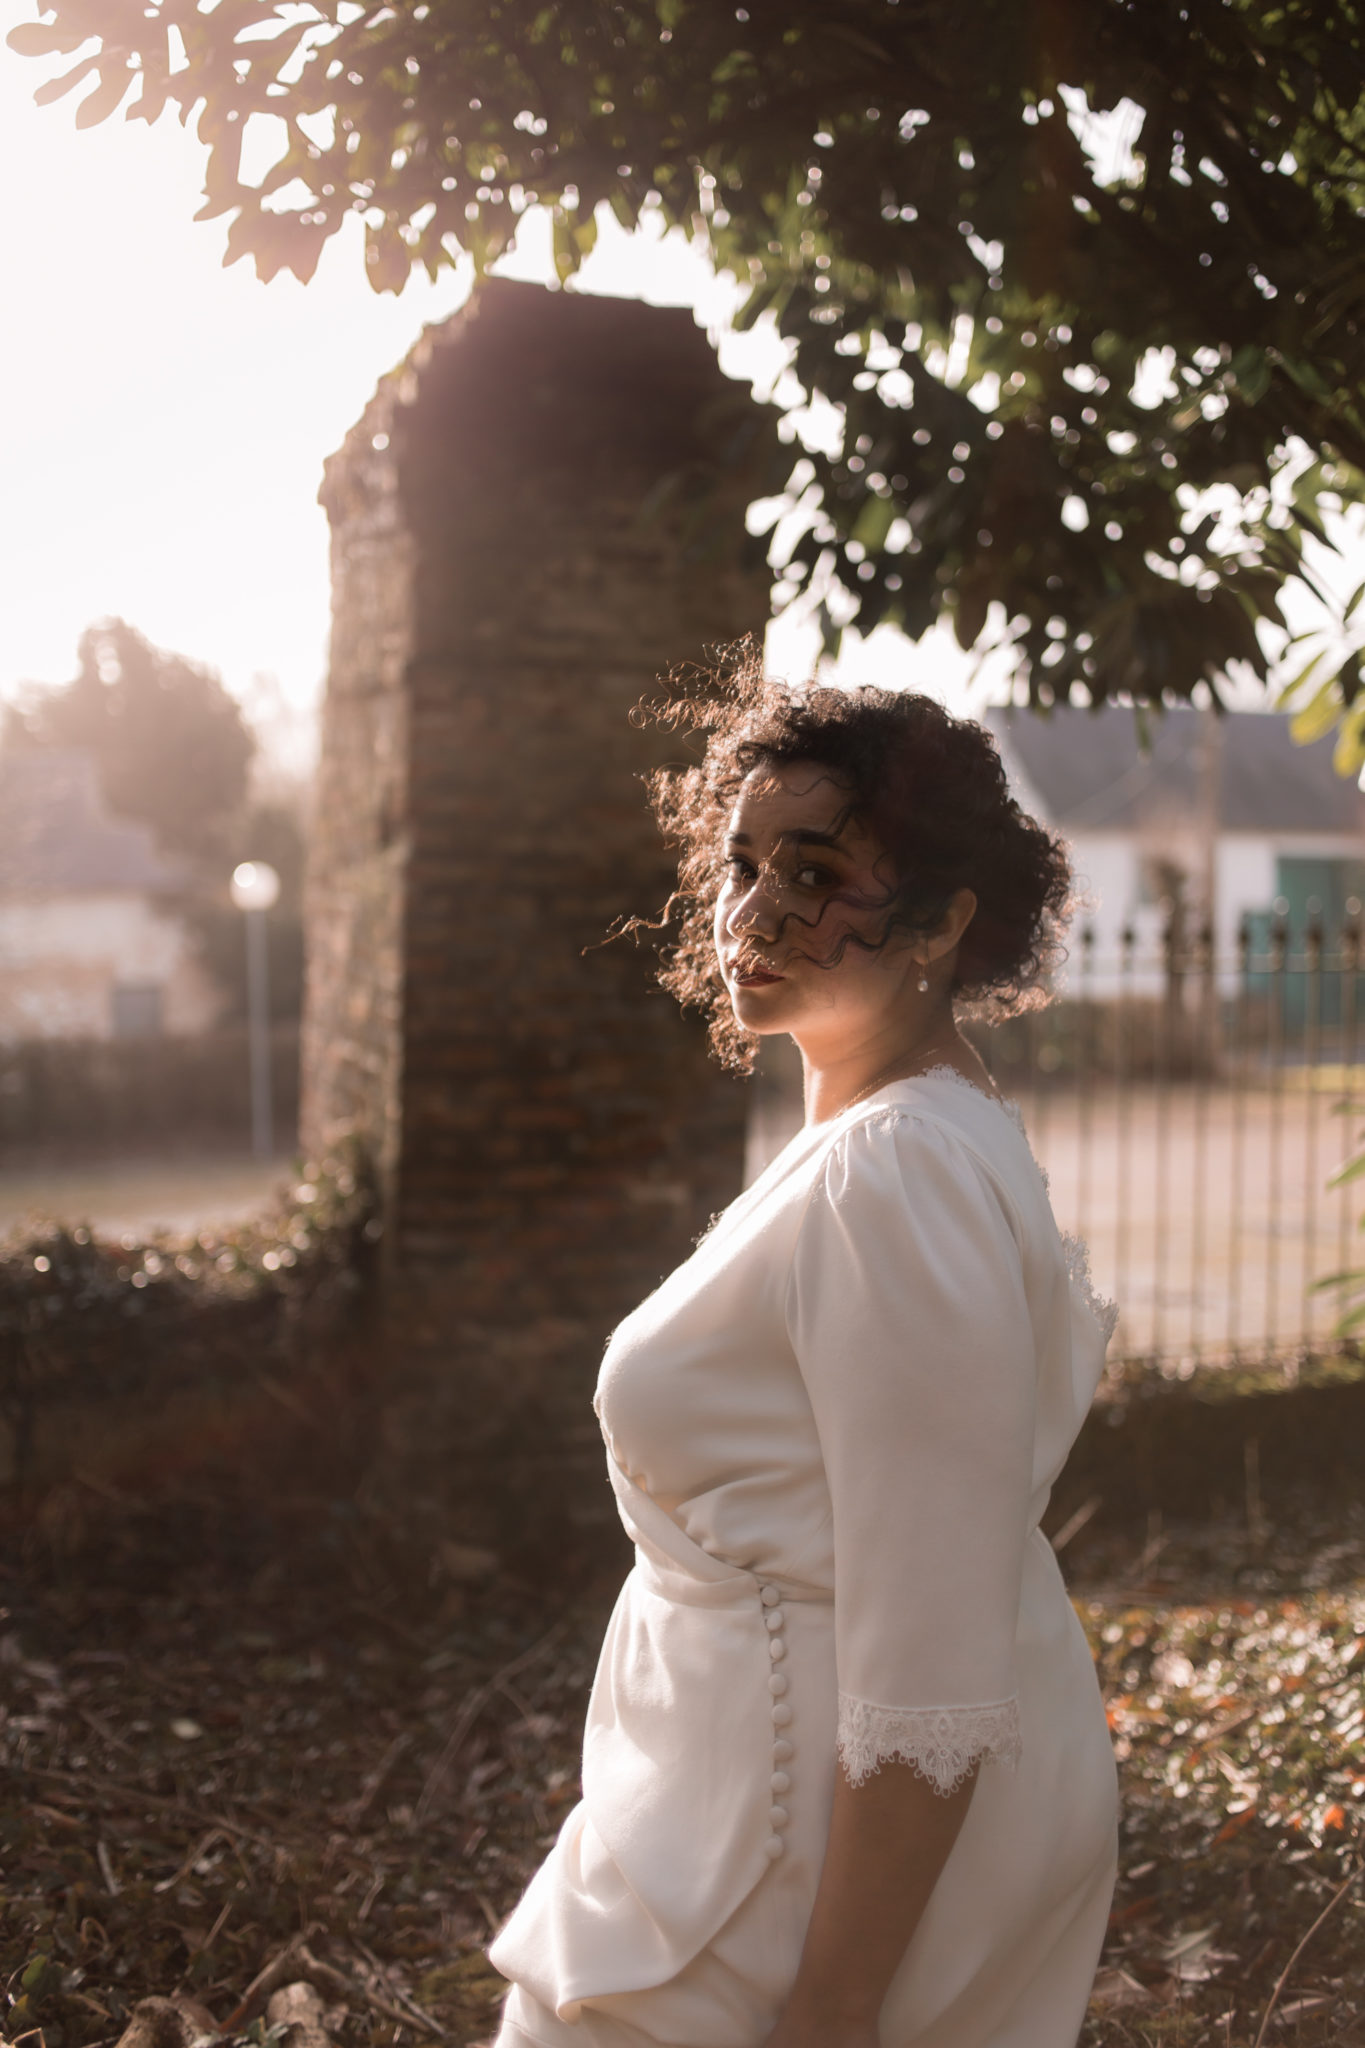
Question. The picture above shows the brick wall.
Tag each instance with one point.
(554, 516)
(351, 1052)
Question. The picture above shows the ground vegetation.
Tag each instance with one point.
(294, 1714)
(161, 1351)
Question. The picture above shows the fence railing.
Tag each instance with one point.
(103, 1096)
(1190, 1108)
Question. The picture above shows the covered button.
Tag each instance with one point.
(780, 1782)
(769, 1595)
(779, 1817)
(777, 1683)
(781, 1714)
(775, 1618)
(777, 1649)
(782, 1749)
(772, 1848)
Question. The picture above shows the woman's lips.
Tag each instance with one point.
(752, 976)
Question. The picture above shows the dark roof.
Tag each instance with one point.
(56, 837)
(1090, 772)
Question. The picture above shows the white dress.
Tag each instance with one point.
(832, 1433)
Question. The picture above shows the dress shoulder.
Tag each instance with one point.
(911, 1152)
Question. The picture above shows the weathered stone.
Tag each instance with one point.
(177, 2022)
(298, 2009)
(533, 520)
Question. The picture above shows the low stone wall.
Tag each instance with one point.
(132, 1364)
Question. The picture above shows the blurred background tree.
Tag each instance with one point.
(172, 747)
(1085, 277)
(174, 751)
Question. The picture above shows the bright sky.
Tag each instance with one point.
(168, 419)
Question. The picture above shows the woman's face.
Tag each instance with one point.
(802, 911)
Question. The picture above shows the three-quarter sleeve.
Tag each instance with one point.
(907, 1314)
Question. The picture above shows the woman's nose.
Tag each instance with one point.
(754, 912)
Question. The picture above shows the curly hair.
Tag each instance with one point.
(929, 787)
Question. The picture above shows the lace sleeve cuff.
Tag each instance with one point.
(940, 1743)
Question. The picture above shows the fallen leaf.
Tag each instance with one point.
(1115, 1989)
(1233, 1827)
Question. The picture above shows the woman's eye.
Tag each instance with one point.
(738, 870)
(812, 877)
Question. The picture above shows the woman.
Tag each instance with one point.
(846, 1775)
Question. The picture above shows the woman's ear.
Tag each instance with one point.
(947, 934)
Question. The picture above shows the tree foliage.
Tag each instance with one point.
(927, 196)
(170, 744)
(173, 750)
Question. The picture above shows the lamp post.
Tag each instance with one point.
(255, 888)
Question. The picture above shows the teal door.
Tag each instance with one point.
(1312, 894)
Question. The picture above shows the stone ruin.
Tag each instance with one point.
(538, 514)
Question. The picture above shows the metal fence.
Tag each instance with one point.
(1191, 1111)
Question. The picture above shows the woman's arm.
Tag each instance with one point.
(911, 1328)
(889, 1839)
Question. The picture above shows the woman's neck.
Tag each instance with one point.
(834, 1081)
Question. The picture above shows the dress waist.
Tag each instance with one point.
(671, 1564)
(664, 1578)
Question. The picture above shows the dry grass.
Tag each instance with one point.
(223, 1729)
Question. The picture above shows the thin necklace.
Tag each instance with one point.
(888, 1073)
(878, 1080)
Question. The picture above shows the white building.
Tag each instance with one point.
(1290, 832)
(91, 944)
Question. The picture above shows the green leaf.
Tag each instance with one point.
(45, 39)
(1298, 684)
(874, 522)
(1319, 716)
(969, 616)
(36, 1976)
(420, 92)
(387, 261)
(1306, 514)
(1308, 378)
(1328, 1281)
(108, 95)
(1348, 757)
(1251, 373)
(573, 240)
(57, 88)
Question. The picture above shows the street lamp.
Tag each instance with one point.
(255, 889)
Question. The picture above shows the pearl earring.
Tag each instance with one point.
(923, 984)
